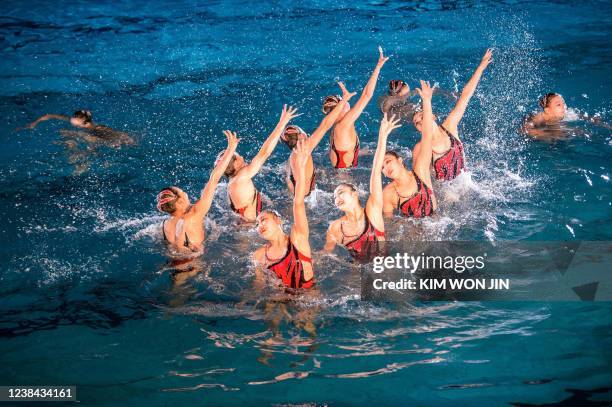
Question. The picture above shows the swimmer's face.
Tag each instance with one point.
(345, 198)
(404, 90)
(417, 120)
(78, 122)
(268, 225)
(556, 107)
(392, 166)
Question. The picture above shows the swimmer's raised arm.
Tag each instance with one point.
(353, 114)
(374, 206)
(268, 146)
(422, 161)
(455, 116)
(330, 119)
(44, 118)
(202, 206)
(300, 230)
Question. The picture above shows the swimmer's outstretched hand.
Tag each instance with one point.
(387, 125)
(486, 59)
(425, 91)
(346, 95)
(302, 153)
(381, 58)
(232, 139)
(288, 114)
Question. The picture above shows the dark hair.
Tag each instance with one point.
(167, 196)
(83, 114)
(393, 154)
(545, 100)
(329, 103)
(290, 135)
(230, 171)
(395, 86)
(352, 187)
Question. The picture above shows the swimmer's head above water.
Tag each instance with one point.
(330, 102)
(553, 105)
(172, 200)
(393, 165)
(398, 87)
(292, 134)
(417, 119)
(82, 118)
(346, 197)
(269, 225)
(236, 163)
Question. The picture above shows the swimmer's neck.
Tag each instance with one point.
(279, 241)
(355, 215)
(402, 180)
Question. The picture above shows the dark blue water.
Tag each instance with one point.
(87, 297)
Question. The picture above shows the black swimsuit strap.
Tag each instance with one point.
(449, 134)
(365, 230)
(268, 260)
(164, 229)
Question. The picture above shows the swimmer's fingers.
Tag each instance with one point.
(487, 58)
(381, 58)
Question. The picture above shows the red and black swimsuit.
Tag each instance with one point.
(367, 244)
(420, 204)
(450, 164)
(312, 181)
(289, 268)
(340, 155)
(256, 200)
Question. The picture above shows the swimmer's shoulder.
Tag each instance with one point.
(259, 256)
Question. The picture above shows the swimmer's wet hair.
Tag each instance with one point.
(83, 114)
(290, 135)
(230, 171)
(393, 154)
(352, 187)
(329, 103)
(545, 100)
(166, 200)
(395, 86)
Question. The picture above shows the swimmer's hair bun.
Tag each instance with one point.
(329, 103)
(83, 114)
(395, 86)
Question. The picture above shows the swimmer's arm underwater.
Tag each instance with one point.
(202, 206)
(455, 116)
(367, 93)
(269, 145)
(330, 119)
(48, 116)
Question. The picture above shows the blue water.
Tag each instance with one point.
(86, 294)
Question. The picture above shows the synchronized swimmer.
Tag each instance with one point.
(438, 155)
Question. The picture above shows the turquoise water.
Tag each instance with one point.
(87, 297)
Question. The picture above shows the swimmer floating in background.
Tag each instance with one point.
(245, 199)
(288, 257)
(344, 141)
(448, 157)
(293, 133)
(411, 192)
(82, 144)
(184, 230)
(547, 124)
(90, 131)
(362, 231)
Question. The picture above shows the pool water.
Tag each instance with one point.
(88, 298)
